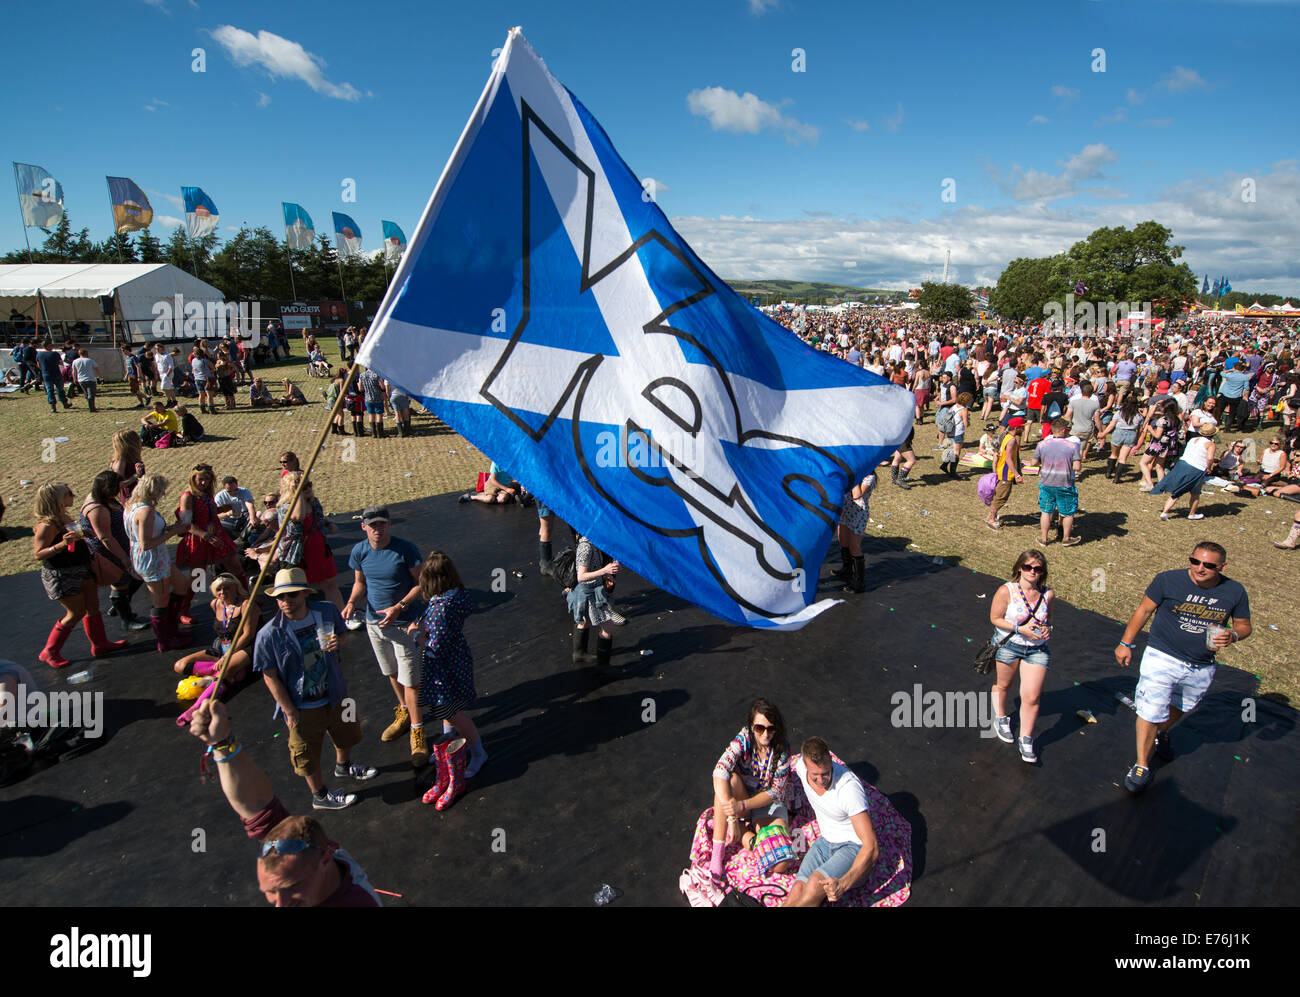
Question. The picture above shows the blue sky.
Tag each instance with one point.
(836, 172)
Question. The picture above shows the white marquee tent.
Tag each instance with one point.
(64, 294)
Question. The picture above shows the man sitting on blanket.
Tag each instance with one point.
(847, 849)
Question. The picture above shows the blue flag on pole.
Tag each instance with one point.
(299, 232)
(394, 242)
(347, 236)
(40, 197)
(201, 215)
(549, 312)
(1205, 284)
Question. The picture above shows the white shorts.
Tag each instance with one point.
(1166, 681)
(398, 653)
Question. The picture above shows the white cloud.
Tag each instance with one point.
(168, 221)
(173, 199)
(158, 5)
(1118, 117)
(1157, 122)
(760, 7)
(653, 187)
(1081, 168)
(858, 126)
(727, 110)
(1134, 97)
(281, 57)
(1222, 235)
(1065, 93)
(1038, 119)
(263, 99)
(1183, 80)
(895, 121)
(850, 264)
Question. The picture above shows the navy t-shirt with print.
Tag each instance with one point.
(1184, 610)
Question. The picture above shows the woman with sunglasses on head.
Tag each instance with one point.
(303, 543)
(205, 542)
(1022, 612)
(751, 783)
(101, 522)
(230, 604)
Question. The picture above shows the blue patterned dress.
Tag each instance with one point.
(447, 686)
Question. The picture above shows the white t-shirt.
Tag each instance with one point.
(1270, 461)
(85, 369)
(834, 808)
(1197, 452)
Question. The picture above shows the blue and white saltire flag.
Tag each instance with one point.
(299, 232)
(549, 312)
(201, 215)
(394, 242)
(347, 236)
(40, 197)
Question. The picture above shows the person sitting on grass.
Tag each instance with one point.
(292, 394)
(259, 395)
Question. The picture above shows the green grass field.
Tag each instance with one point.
(1125, 542)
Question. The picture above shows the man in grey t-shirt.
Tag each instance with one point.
(1082, 413)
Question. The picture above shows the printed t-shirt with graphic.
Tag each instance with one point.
(1184, 610)
(315, 669)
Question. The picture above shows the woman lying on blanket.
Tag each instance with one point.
(751, 782)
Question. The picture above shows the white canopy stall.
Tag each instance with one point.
(60, 296)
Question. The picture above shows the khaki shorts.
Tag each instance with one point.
(306, 739)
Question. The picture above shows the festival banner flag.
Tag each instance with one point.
(299, 232)
(550, 313)
(201, 215)
(1205, 284)
(40, 197)
(131, 209)
(1226, 287)
(347, 236)
(394, 242)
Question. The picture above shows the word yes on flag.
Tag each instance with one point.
(550, 313)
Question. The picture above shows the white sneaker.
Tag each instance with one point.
(1026, 746)
(1199, 515)
(1003, 727)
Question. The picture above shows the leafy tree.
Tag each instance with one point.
(1024, 287)
(1137, 266)
(945, 302)
(117, 248)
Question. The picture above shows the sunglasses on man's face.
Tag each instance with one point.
(1212, 565)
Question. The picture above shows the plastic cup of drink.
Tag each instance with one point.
(1210, 633)
(324, 632)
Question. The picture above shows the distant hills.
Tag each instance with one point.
(812, 291)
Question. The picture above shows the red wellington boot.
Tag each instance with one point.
(54, 645)
(442, 766)
(100, 645)
(455, 754)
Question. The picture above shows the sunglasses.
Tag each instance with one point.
(203, 467)
(1037, 569)
(285, 462)
(286, 846)
(763, 728)
(1212, 565)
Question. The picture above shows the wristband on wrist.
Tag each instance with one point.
(222, 761)
(1128, 645)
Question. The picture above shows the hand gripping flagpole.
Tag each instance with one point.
(238, 636)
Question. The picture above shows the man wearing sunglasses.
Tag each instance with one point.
(1192, 612)
(299, 866)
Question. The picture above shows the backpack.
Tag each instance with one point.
(945, 420)
(564, 568)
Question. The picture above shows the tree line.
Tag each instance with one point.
(253, 265)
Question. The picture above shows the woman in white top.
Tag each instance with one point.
(1022, 610)
(1188, 475)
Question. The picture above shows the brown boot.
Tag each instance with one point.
(400, 725)
(419, 748)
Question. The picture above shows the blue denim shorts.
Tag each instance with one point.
(831, 860)
(1011, 652)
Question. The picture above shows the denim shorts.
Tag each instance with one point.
(1123, 437)
(543, 511)
(375, 408)
(831, 860)
(1011, 652)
